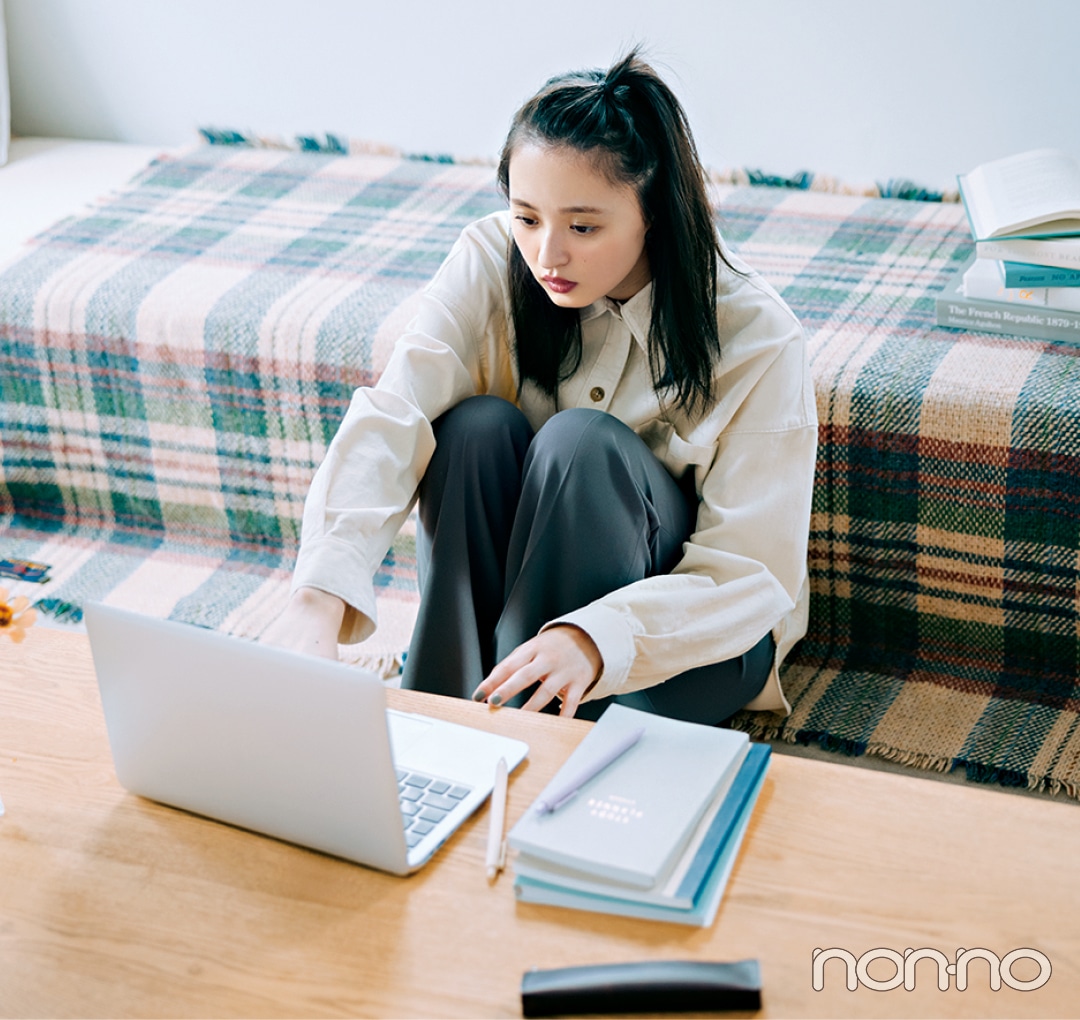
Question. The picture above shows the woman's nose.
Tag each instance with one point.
(552, 251)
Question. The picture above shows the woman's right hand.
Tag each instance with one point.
(309, 624)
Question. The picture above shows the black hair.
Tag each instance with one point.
(631, 123)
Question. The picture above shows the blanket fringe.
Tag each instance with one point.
(769, 727)
(386, 666)
(803, 180)
(1054, 786)
(806, 180)
(913, 759)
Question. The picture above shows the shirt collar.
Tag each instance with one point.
(636, 312)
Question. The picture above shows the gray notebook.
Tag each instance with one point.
(629, 822)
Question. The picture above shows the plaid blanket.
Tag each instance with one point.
(173, 365)
(943, 546)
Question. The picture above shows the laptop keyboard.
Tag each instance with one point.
(425, 801)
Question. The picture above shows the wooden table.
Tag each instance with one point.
(111, 905)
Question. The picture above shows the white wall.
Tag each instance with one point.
(860, 89)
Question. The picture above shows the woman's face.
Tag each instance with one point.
(582, 236)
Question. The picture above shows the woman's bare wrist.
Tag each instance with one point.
(321, 603)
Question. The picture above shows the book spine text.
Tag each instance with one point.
(993, 317)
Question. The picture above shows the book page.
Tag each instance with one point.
(1026, 189)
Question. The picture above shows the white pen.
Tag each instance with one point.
(496, 845)
(554, 799)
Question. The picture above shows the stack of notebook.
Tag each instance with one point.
(653, 835)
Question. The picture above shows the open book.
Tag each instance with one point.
(1033, 194)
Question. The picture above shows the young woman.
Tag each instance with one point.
(609, 424)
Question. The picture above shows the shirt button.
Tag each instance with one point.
(597, 394)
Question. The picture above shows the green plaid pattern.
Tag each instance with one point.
(173, 365)
(943, 546)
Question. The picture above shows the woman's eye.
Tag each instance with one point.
(527, 221)
(579, 228)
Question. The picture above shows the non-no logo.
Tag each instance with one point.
(857, 969)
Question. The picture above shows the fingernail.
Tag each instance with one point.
(495, 699)
(478, 695)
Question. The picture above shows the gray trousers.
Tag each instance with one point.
(517, 529)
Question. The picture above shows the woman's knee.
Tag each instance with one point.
(482, 415)
(580, 436)
(480, 427)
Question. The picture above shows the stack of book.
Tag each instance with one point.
(653, 835)
(1024, 278)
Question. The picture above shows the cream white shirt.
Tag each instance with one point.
(743, 570)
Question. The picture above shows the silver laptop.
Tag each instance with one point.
(299, 748)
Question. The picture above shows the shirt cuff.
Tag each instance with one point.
(613, 636)
(323, 564)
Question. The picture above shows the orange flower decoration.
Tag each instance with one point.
(15, 616)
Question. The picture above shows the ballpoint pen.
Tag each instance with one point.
(496, 845)
(554, 799)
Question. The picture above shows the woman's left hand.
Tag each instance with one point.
(562, 661)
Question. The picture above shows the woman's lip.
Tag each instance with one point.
(559, 285)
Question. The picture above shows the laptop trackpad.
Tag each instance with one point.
(405, 731)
